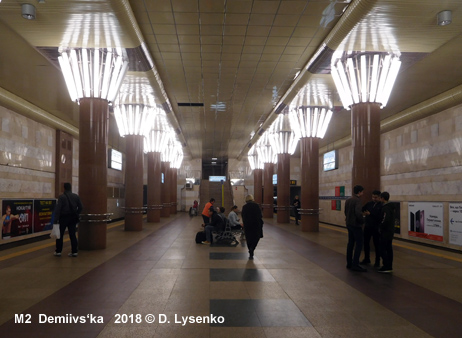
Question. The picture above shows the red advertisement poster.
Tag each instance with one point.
(43, 211)
(16, 218)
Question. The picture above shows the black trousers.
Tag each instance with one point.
(386, 250)
(355, 243)
(371, 232)
(69, 223)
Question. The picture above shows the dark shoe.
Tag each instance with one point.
(349, 266)
(365, 261)
(384, 269)
(377, 265)
(251, 257)
(73, 254)
(358, 268)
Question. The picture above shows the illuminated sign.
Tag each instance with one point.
(115, 159)
(330, 160)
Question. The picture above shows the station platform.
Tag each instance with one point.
(160, 283)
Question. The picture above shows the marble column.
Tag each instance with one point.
(283, 192)
(309, 199)
(268, 191)
(154, 187)
(165, 212)
(257, 184)
(134, 183)
(93, 140)
(365, 138)
(173, 191)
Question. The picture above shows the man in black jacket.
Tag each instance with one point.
(387, 231)
(67, 211)
(216, 224)
(354, 221)
(372, 210)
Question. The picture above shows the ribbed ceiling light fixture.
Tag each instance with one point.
(266, 154)
(307, 119)
(95, 73)
(157, 138)
(282, 137)
(364, 77)
(254, 160)
(133, 119)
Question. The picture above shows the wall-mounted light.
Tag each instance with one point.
(28, 11)
(444, 18)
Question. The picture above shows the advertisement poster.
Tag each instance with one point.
(426, 220)
(16, 218)
(455, 223)
(43, 210)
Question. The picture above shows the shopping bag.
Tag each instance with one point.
(55, 231)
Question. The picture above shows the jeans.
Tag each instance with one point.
(355, 242)
(69, 223)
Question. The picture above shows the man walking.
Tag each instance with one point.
(354, 221)
(67, 213)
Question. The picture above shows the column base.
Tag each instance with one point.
(310, 223)
(92, 236)
(134, 222)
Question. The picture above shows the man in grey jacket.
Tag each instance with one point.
(354, 219)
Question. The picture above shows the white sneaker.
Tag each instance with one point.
(58, 254)
(73, 254)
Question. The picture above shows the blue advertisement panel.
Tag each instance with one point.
(16, 218)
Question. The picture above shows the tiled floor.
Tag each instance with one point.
(160, 283)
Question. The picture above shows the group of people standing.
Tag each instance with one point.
(374, 220)
(252, 222)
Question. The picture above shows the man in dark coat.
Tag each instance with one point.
(253, 223)
(354, 221)
(387, 231)
(67, 211)
(372, 210)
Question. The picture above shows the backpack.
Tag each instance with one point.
(200, 237)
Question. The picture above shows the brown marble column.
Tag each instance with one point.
(365, 138)
(154, 187)
(309, 199)
(257, 186)
(173, 191)
(283, 208)
(134, 183)
(268, 191)
(165, 212)
(93, 139)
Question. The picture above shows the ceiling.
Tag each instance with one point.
(223, 69)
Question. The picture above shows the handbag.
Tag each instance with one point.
(55, 233)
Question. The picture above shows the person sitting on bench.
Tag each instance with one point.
(216, 224)
(234, 220)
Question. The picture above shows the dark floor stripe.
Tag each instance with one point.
(100, 292)
(435, 314)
